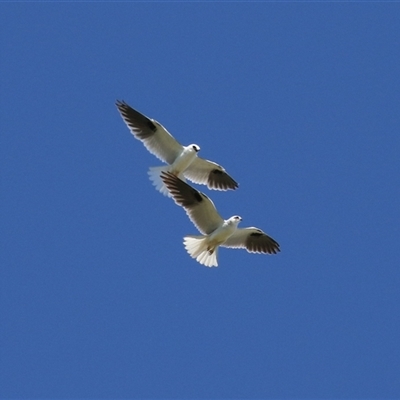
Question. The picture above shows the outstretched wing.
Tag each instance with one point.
(154, 136)
(211, 174)
(252, 239)
(199, 208)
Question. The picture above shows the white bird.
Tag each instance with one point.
(183, 160)
(216, 231)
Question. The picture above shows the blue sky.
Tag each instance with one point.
(299, 102)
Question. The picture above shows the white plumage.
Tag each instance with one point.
(183, 160)
(215, 230)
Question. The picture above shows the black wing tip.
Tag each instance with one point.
(178, 188)
(219, 180)
(166, 175)
(273, 246)
(265, 245)
(123, 107)
(274, 250)
(268, 250)
(121, 104)
(169, 179)
(136, 121)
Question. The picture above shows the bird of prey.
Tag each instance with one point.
(215, 230)
(183, 161)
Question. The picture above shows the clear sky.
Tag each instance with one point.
(299, 102)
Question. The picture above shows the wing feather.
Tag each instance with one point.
(199, 208)
(254, 240)
(154, 136)
(209, 173)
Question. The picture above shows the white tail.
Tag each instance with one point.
(196, 246)
(154, 175)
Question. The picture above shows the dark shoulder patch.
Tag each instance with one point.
(197, 196)
(216, 171)
(151, 125)
(256, 234)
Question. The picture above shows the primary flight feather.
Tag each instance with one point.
(215, 230)
(183, 160)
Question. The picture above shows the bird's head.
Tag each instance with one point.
(235, 219)
(195, 147)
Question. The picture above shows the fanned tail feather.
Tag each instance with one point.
(196, 246)
(154, 175)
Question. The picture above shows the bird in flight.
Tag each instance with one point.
(215, 230)
(183, 160)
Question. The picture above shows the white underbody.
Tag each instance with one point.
(205, 248)
(178, 167)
